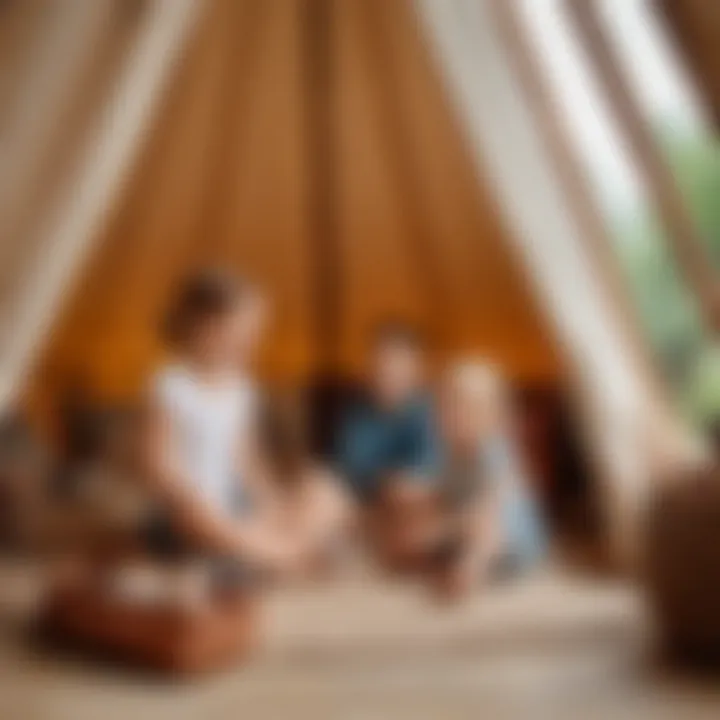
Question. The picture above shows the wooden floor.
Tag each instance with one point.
(552, 646)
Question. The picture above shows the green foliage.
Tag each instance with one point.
(666, 307)
(702, 389)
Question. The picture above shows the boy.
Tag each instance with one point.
(387, 443)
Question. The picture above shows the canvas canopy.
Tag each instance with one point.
(359, 158)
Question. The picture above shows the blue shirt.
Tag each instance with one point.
(376, 442)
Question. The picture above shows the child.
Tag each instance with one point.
(491, 520)
(386, 445)
(199, 449)
(387, 436)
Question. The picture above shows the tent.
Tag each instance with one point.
(358, 157)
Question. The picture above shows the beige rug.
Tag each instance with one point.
(552, 646)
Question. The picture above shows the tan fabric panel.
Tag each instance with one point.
(111, 93)
(21, 26)
(260, 225)
(379, 275)
(66, 77)
(106, 333)
(224, 178)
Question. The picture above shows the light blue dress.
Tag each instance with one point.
(521, 521)
(495, 471)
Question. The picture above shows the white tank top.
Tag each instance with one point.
(209, 425)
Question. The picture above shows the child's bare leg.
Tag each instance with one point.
(271, 546)
(319, 515)
(325, 510)
(478, 548)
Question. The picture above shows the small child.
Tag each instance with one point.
(493, 523)
(199, 448)
(386, 448)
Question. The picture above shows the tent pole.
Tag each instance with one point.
(519, 43)
(586, 212)
(688, 247)
(323, 220)
(326, 387)
(402, 153)
(618, 416)
(68, 231)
